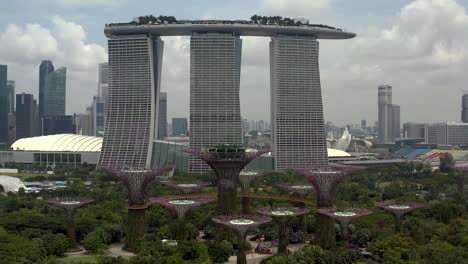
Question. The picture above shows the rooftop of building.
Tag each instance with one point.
(59, 143)
(259, 26)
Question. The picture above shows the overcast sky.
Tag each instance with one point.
(420, 47)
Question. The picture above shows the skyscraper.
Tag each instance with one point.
(11, 96)
(36, 120)
(24, 116)
(45, 68)
(54, 92)
(179, 126)
(103, 86)
(296, 102)
(389, 116)
(63, 124)
(4, 104)
(162, 115)
(464, 113)
(134, 86)
(215, 60)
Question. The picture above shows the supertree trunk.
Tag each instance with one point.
(182, 230)
(227, 197)
(345, 234)
(71, 233)
(283, 233)
(245, 205)
(397, 223)
(325, 236)
(136, 228)
(241, 254)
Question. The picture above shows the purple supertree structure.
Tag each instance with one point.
(186, 187)
(344, 216)
(227, 162)
(282, 215)
(245, 181)
(136, 182)
(181, 205)
(399, 210)
(241, 224)
(462, 170)
(325, 182)
(70, 205)
(302, 190)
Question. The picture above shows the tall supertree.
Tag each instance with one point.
(186, 187)
(136, 182)
(227, 162)
(302, 190)
(241, 224)
(181, 205)
(70, 205)
(325, 182)
(399, 210)
(344, 217)
(460, 178)
(282, 215)
(245, 180)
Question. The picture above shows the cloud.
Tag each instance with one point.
(295, 8)
(23, 48)
(91, 2)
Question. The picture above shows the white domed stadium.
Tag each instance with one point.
(10, 184)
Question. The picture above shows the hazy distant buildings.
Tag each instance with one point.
(464, 113)
(453, 134)
(103, 86)
(45, 68)
(54, 93)
(11, 96)
(53, 125)
(215, 61)
(4, 107)
(414, 130)
(179, 127)
(162, 116)
(25, 116)
(389, 116)
(296, 103)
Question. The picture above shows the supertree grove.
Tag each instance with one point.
(344, 217)
(136, 182)
(227, 162)
(325, 182)
(186, 188)
(245, 180)
(282, 215)
(70, 205)
(399, 210)
(181, 205)
(241, 224)
(302, 190)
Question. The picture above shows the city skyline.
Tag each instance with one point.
(359, 66)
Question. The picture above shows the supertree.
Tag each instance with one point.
(399, 210)
(241, 224)
(462, 170)
(344, 217)
(227, 162)
(187, 187)
(325, 182)
(245, 180)
(70, 205)
(282, 215)
(136, 182)
(302, 190)
(181, 205)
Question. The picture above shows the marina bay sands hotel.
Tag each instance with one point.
(135, 62)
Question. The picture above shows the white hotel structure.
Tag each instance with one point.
(135, 61)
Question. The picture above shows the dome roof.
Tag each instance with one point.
(60, 142)
(11, 184)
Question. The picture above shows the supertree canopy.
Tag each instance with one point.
(245, 180)
(282, 215)
(181, 205)
(186, 187)
(70, 205)
(399, 209)
(301, 189)
(227, 162)
(136, 182)
(325, 182)
(344, 217)
(241, 224)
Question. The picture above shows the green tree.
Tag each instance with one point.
(447, 163)
(96, 241)
(54, 244)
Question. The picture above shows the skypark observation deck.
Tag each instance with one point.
(238, 28)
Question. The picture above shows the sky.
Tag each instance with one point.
(420, 47)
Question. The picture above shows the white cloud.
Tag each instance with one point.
(295, 8)
(91, 2)
(22, 48)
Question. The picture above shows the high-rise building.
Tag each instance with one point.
(452, 134)
(103, 86)
(54, 93)
(45, 68)
(464, 113)
(162, 115)
(36, 119)
(4, 110)
(179, 126)
(134, 86)
(363, 124)
(296, 102)
(11, 96)
(53, 125)
(98, 116)
(215, 61)
(389, 116)
(414, 130)
(83, 123)
(24, 116)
